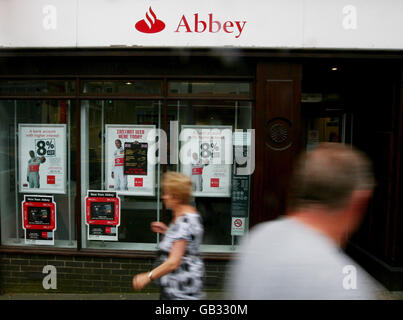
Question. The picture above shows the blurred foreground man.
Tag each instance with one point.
(299, 256)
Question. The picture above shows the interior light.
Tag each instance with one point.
(334, 69)
(128, 83)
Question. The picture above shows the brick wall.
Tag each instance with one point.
(80, 274)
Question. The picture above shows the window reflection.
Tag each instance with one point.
(129, 87)
(137, 212)
(37, 87)
(36, 113)
(210, 88)
(215, 211)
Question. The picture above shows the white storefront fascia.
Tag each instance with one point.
(293, 24)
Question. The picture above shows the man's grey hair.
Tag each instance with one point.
(328, 175)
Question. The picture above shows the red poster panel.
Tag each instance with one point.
(102, 210)
(39, 219)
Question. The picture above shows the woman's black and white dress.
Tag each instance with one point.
(186, 282)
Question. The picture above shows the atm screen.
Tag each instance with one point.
(38, 215)
(102, 211)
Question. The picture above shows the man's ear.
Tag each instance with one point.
(361, 199)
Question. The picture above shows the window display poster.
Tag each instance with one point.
(128, 170)
(102, 212)
(210, 174)
(42, 158)
(39, 219)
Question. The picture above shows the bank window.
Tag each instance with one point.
(123, 87)
(221, 194)
(326, 116)
(37, 87)
(38, 185)
(208, 89)
(117, 146)
(116, 165)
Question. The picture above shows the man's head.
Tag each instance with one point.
(31, 153)
(118, 143)
(333, 177)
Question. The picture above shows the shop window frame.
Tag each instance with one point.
(76, 99)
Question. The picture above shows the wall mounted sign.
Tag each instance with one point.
(238, 226)
(39, 219)
(240, 196)
(326, 24)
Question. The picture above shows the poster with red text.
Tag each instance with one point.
(42, 158)
(129, 161)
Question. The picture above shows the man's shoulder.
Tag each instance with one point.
(281, 226)
(285, 259)
(288, 237)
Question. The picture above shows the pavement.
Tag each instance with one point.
(216, 295)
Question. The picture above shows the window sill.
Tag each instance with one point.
(207, 253)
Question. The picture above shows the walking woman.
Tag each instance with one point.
(182, 270)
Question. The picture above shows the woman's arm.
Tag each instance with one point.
(158, 227)
(171, 264)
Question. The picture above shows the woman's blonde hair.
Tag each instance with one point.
(178, 185)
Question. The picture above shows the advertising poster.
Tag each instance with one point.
(102, 212)
(42, 158)
(39, 219)
(208, 165)
(128, 170)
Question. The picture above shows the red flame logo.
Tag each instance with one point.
(150, 24)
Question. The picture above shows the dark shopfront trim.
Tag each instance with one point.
(390, 277)
(135, 254)
(205, 52)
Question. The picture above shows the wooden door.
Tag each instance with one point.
(277, 125)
